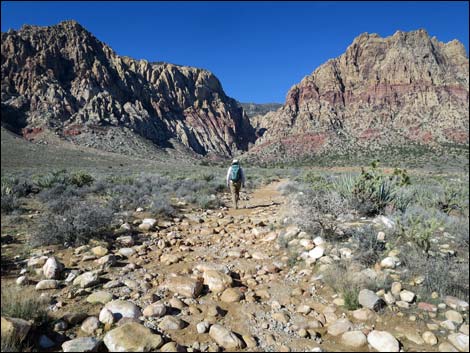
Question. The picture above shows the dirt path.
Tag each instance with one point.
(283, 306)
(267, 196)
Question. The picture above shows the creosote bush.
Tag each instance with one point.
(75, 226)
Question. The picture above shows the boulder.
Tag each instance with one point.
(82, 344)
(383, 341)
(370, 300)
(225, 338)
(132, 337)
(217, 281)
(122, 308)
(52, 268)
(185, 286)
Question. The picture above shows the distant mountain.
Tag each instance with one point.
(62, 78)
(253, 109)
(405, 89)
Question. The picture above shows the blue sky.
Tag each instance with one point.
(258, 50)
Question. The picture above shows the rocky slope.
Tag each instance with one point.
(63, 78)
(406, 88)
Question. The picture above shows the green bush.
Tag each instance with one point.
(373, 191)
(418, 228)
(81, 179)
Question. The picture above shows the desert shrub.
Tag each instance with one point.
(417, 226)
(369, 249)
(442, 274)
(75, 226)
(458, 227)
(315, 210)
(351, 298)
(161, 206)
(23, 303)
(10, 203)
(50, 179)
(19, 187)
(339, 278)
(373, 191)
(80, 179)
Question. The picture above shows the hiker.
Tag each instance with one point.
(235, 180)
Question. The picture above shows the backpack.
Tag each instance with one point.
(235, 173)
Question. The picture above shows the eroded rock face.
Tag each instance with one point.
(62, 77)
(405, 88)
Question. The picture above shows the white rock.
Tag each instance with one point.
(354, 339)
(52, 268)
(106, 316)
(383, 341)
(459, 341)
(407, 296)
(316, 253)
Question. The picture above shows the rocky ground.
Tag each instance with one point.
(221, 280)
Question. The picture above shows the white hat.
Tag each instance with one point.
(235, 161)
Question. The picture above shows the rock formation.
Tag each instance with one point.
(404, 89)
(64, 79)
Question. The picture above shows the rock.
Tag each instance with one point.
(449, 325)
(126, 252)
(447, 347)
(430, 338)
(15, 329)
(363, 314)
(113, 284)
(185, 286)
(396, 289)
(370, 300)
(45, 342)
(202, 327)
(106, 317)
(269, 237)
(454, 316)
(232, 295)
(459, 341)
(147, 224)
(90, 325)
(52, 268)
(82, 344)
(407, 296)
(171, 323)
(317, 252)
(402, 304)
(412, 336)
(99, 297)
(122, 308)
(172, 347)
(37, 261)
(427, 307)
(47, 284)
(389, 262)
(107, 260)
(155, 310)
(22, 280)
(217, 281)
(225, 338)
(456, 303)
(464, 329)
(87, 279)
(74, 318)
(339, 327)
(389, 298)
(280, 317)
(383, 341)
(99, 251)
(354, 339)
(132, 337)
(250, 341)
